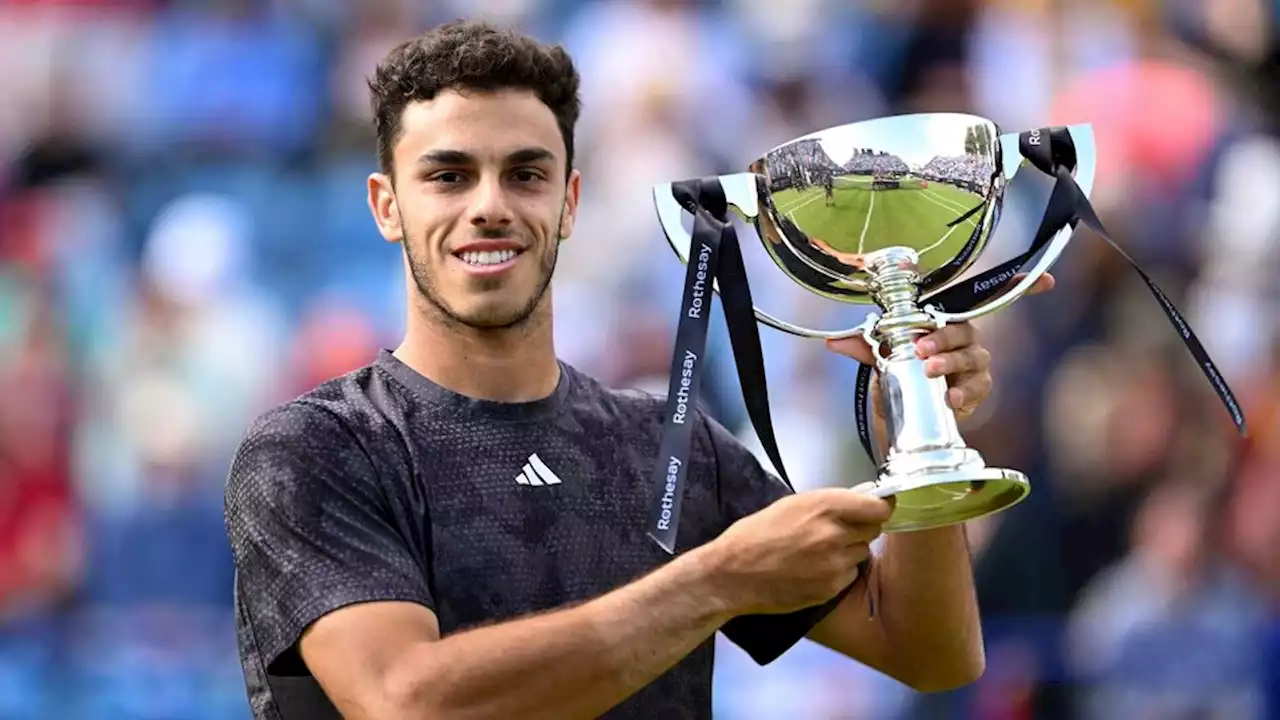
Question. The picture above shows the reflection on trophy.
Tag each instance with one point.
(886, 213)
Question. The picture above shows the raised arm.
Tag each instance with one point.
(927, 630)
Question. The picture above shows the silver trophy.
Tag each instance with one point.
(884, 215)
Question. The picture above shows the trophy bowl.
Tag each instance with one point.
(830, 201)
(880, 216)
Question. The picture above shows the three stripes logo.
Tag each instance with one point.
(536, 472)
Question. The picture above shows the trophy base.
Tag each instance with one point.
(936, 500)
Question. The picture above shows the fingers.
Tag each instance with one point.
(970, 392)
(845, 518)
(974, 359)
(1044, 283)
(867, 487)
(968, 372)
(858, 508)
(946, 339)
(854, 347)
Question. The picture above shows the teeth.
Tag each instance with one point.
(487, 257)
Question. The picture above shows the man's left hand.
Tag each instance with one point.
(952, 352)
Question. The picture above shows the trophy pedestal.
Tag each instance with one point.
(938, 499)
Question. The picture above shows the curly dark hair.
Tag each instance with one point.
(471, 55)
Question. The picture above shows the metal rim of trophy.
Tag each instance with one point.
(768, 200)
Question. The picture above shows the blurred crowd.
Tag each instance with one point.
(184, 242)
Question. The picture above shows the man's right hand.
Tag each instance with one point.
(797, 553)
(387, 660)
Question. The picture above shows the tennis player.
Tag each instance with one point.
(457, 529)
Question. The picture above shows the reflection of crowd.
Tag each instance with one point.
(801, 164)
(967, 171)
(805, 164)
(869, 162)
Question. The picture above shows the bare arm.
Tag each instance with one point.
(925, 631)
(385, 660)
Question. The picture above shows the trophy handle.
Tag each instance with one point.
(1051, 253)
(740, 192)
(1084, 172)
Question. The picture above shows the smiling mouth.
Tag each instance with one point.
(487, 258)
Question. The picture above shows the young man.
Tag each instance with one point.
(457, 529)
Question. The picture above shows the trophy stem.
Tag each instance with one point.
(895, 287)
(936, 478)
(921, 427)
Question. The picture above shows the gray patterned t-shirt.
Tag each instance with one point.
(381, 485)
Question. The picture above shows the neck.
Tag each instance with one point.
(516, 364)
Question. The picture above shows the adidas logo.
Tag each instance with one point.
(536, 472)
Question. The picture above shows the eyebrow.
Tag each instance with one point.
(446, 157)
(529, 155)
(523, 156)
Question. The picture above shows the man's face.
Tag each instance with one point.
(480, 201)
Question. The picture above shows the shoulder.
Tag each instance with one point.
(328, 435)
(327, 417)
(299, 428)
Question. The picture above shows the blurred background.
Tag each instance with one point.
(184, 242)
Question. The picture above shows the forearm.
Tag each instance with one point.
(572, 663)
(928, 607)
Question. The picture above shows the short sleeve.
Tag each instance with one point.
(310, 528)
(746, 487)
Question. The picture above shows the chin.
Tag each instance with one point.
(485, 306)
(496, 321)
(493, 316)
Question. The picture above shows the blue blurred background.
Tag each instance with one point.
(184, 242)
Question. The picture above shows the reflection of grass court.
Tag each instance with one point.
(861, 220)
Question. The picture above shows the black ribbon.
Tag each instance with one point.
(967, 215)
(955, 265)
(714, 254)
(715, 257)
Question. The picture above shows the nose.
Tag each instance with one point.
(490, 208)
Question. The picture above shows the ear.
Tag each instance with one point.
(572, 193)
(382, 203)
